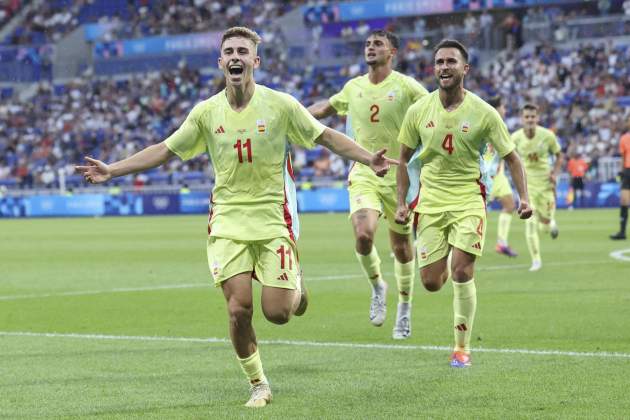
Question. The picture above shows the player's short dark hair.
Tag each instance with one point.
(241, 32)
(529, 107)
(495, 101)
(451, 43)
(393, 39)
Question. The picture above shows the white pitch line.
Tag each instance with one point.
(97, 292)
(621, 254)
(309, 279)
(300, 343)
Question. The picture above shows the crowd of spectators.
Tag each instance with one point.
(48, 21)
(580, 91)
(583, 93)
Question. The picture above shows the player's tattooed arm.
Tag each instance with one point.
(322, 109)
(402, 184)
(520, 182)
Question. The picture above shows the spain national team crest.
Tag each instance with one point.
(423, 253)
(261, 126)
(391, 96)
(216, 269)
(465, 127)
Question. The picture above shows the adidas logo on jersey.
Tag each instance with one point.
(283, 277)
(477, 246)
(430, 125)
(219, 130)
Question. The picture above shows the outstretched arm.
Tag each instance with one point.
(344, 146)
(402, 184)
(96, 171)
(322, 109)
(520, 181)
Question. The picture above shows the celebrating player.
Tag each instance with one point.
(376, 104)
(253, 224)
(538, 145)
(447, 132)
(501, 190)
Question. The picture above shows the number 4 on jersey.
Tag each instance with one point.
(447, 144)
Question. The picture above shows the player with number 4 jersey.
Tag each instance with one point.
(375, 104)
(446, 132)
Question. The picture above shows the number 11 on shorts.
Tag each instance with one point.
(282, 251)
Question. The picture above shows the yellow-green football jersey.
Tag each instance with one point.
(254, 195)
(450, 147)
(536, 154)
(375, 113)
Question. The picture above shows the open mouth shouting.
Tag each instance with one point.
(445, 77)
(235, 69)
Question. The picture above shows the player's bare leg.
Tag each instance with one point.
(238, 295)
(434, 275)
(505, 219)
(365, 222)
(404, 269)
(464, 305)
(279, 304)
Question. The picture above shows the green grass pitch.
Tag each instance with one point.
(115, 318)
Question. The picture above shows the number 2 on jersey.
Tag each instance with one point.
(447, 144)
(239, 145)
(375, 109)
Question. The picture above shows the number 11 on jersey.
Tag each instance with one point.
(239, 145)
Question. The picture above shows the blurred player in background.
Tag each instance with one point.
(501, 191)
(539, 146)
(624, 150)
(253, 225)
(447, 132)
(376, 103)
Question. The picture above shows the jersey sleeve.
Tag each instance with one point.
(554, 145)
(339, 100)
(188, 141)
(498, 135)
(303, 128)
(415, 89)
(408, 134)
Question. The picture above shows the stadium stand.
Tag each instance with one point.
(583, 87)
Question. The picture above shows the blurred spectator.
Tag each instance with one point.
(485, 22)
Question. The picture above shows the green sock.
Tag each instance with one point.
(404, 273)
(464, 305)
(371, 265)
(503, 230)
(252, 367)
(531, 235)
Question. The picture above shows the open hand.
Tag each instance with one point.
(380, 163)
(95, 172)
